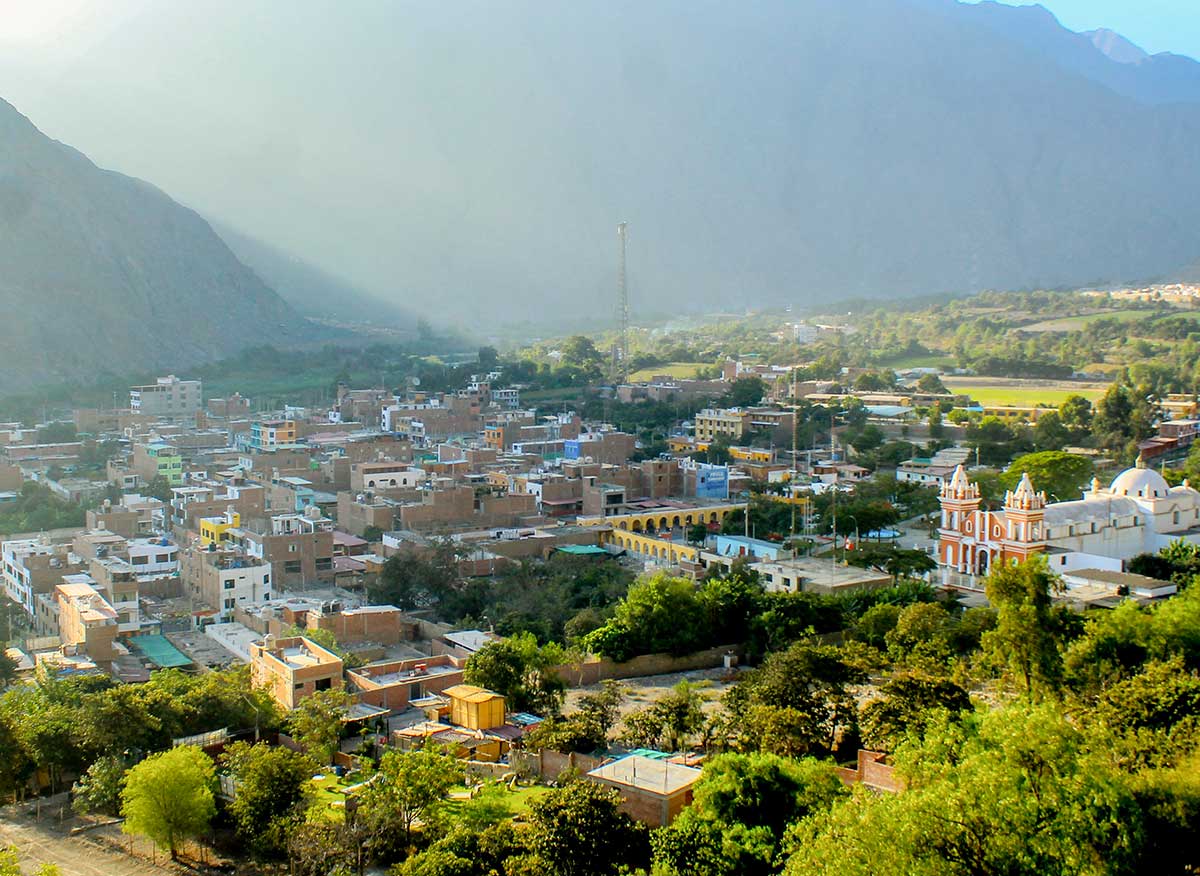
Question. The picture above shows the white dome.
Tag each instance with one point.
(1140, 483)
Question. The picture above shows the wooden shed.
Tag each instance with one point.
(475, 708)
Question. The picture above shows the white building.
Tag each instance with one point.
(168, 398)
(1137, 513)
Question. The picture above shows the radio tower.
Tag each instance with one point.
(622, 307)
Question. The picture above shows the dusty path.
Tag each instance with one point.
(42, 843)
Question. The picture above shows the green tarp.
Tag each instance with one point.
(159, 651)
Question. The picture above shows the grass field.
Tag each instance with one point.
(518, 800)
(1079, 323)
(1024, 396)
(673, 369)
(329, 790)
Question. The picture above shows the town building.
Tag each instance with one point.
(294, 668)
(87, 623)
(1137, 513)
(168, 398)
(272, 434)
(33, 566)
(653, 791)
(157, 460)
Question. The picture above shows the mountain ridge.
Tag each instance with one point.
(105, 273)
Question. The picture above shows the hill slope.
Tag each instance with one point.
(312, 290)
(105, 273)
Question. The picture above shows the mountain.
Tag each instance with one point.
(312, 290)
(100, 272)
(1102, 56)
(474, 158)
(782, 151)
(1115, 46)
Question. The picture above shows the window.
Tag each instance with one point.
(229, 585)
(266, 579)
(162, 558)
(292, 567)
(292, 548)
(323, 683)
(230, 603)
(324, 564)
(139, 560)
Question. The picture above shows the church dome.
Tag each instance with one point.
(1140, 483)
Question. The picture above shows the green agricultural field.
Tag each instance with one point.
(1024, 396)
(673, 369)
(1079, 323)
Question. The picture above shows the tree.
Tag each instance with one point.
(937, 430)
(272, 784)
(488, 357)
(1075, 414)
(1122, 418)
(932, 383)
(660, 613)
(1049, 433)
(580, 351)
(169, 797)
(604, 707)
(1008, 792)
(796, 703)
(667, 723)
(487, 851)
(410, 785)
(921, 635)
(10, 864)
(316, 723)
(1057, 474)
(578, 830)
(99, 789)
(1024, 640)
(908, 704)
(159, 488)
(742, 807)
(411, 580)
(745, 392)
(520, 670)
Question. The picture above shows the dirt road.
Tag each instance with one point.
(40, 843)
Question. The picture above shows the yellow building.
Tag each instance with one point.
(751, 454)
(213, 529)
(1014, 413)
(475, 708)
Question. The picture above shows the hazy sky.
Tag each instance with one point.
(292, 121)
(1155, 25)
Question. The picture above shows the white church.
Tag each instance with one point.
(1137, 513)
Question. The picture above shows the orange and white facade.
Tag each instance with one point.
(971, 540)
(1103, 529)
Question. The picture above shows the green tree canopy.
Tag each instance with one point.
(1061, 476)
(168, 797)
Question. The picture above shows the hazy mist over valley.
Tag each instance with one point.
(470, 160)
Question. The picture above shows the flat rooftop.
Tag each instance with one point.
(646, 774)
